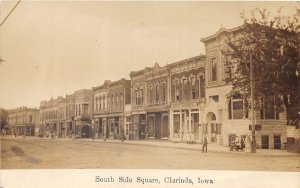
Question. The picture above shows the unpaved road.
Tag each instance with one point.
(33, 153)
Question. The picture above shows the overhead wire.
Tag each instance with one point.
(10, 13)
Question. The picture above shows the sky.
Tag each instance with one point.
(53, 48)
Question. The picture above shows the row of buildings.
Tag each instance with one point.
(182, 101)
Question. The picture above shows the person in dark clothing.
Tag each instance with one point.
(204, 146)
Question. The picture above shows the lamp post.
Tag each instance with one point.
(253, 144)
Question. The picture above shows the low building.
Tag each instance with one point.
(23, 121)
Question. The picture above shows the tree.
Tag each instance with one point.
(274, 45)
(3, 118)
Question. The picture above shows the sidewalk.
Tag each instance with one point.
(212, 147)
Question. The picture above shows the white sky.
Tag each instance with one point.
(52, 48)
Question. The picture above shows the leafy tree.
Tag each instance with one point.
(3, 118)
(274, 47)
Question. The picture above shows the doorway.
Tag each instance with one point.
(265, 142)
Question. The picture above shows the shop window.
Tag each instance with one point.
(176, 125)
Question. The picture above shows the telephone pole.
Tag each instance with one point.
(253, 144)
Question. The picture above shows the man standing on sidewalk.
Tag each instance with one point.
(204, 146)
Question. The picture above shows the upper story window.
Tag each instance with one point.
(150, 94)
(268, 110)
(177, 93)
(157, 93)
(184, 89)
(104, 98)
(79, 107)
(213, 65)
(85, 109)
(136, 97)
(202, 86)
(237, 108)
(163, 92)
(139, 97)
(214, 98)
(100, 103)
(193, 88)
(96, 104)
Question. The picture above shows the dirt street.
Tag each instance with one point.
(22, 153)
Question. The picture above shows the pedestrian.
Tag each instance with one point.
(204, 146)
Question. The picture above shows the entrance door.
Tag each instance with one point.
(211, 120)
(265, 142)
(165, 130)
(277, 142)
(142, 130)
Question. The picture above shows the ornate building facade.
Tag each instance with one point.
(109, 102)
(187, 86)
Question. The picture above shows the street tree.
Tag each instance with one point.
(274, 47)
(3, 119)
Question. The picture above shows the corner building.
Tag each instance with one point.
(226, 116)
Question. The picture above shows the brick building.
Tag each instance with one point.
(137, 129)
(157, 81)
(109, 102)
(83, 113)
(187, 86)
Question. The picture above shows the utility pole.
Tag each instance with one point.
(123, 112)
(253, 144)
